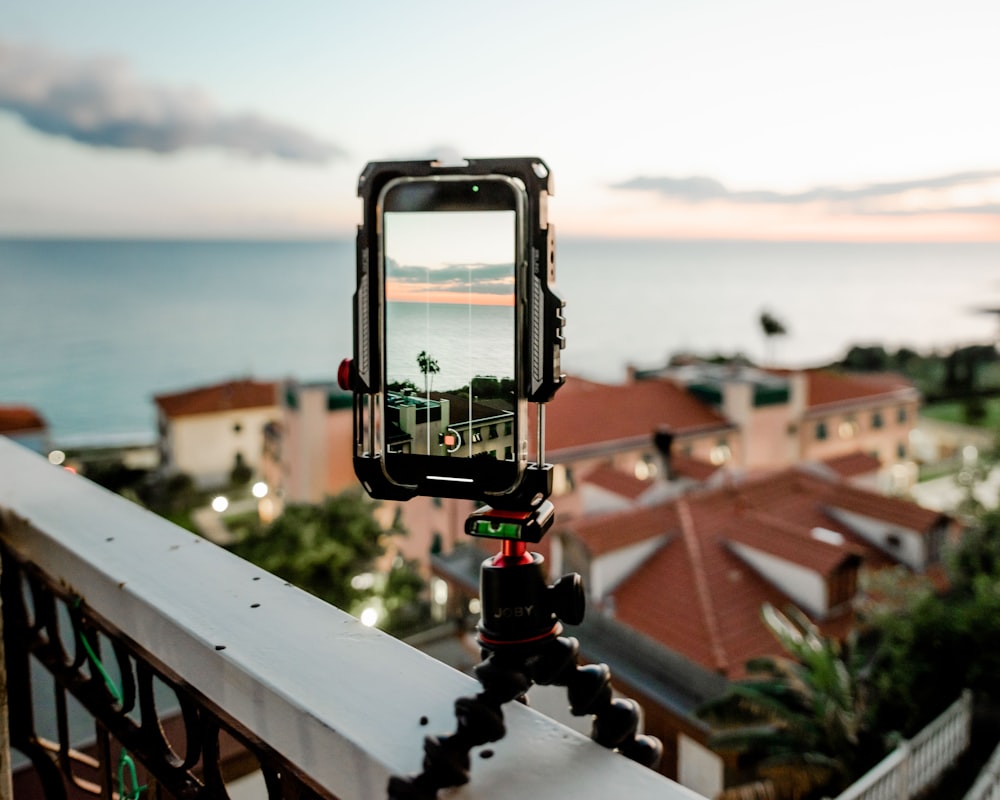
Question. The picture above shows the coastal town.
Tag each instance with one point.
(701, 299)
(694, 500)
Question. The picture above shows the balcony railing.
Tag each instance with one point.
(174, 651)
(916, 765)
(987, 785)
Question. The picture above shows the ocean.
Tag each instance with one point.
(465, 342)
(91, 330)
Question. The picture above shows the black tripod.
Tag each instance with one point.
(520, 631)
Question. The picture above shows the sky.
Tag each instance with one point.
(450, 257)
(772, 119)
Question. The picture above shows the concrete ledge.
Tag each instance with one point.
(341, 701)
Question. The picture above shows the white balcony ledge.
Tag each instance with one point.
(340, 701)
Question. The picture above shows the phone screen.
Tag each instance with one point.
(451, 386)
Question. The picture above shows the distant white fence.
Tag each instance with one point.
(919, 763)
(987, 785)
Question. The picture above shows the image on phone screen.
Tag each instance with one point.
(450, 334)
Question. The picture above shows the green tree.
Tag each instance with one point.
(241, 472)
(173, 497)
(404, 599)
(325, 548)
(963, 367)
(866, 359)
(929, 647)
(906, 359)
(974, 409)
(978, 553)
(800, 720)
(911, 680)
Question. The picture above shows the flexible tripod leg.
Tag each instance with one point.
(519, 631)
(588, 688)
(480, 721)
(507, 675)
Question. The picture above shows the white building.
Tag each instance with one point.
(207, 431)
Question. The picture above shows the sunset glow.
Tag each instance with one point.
(428, 293)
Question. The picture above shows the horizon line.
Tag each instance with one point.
(258, 238)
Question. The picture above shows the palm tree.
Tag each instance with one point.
(772, 327)
(801, 718)
(429, 367)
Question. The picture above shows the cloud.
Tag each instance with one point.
(480, 278)
(894, 198)
(99, 102)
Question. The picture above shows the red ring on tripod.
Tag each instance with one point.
(555, 630)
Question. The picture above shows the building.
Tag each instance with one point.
(208, 431)
(690, 575)
(447, 423)
(789, 537)
(26, 426)
(788, 417)
(632, 428)
(667, 431)
(308, 445)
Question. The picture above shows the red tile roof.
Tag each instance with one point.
(688, 467)
(899, 512)
(229, 396)
(697, 596)
(604, 533)
(18, 419)
(771, 534)
(829, 388)
(618, 482)
(853, 464)
(585, 414)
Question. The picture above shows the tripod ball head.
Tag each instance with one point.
(518, 607)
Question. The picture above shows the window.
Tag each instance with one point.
(494, 432)
(848, 429)
(843, 585)
(901, 415)
(508, 428)
(901, 450)
(720, 454)
(237, 427)
(645, 467)
(877, 421)
(821, 432)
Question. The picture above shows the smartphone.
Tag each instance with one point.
(457, 330)
(452, 258)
